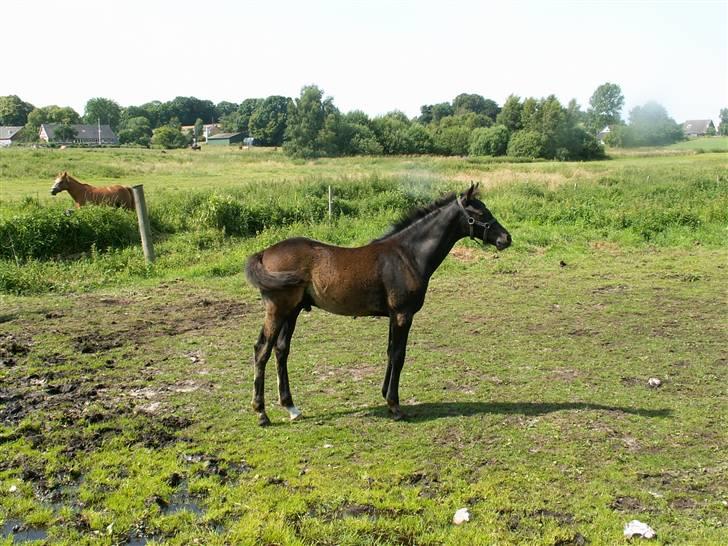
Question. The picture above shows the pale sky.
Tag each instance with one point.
(371, 55)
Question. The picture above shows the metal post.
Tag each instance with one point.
(144, 229)
(330, 203)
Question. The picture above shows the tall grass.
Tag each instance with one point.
(665, 202)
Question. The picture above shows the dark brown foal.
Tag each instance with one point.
(387, 277)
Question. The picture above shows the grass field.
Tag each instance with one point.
(125, 389)
(706, 144)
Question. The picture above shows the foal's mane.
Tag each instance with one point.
(69, 176)
(417, 214)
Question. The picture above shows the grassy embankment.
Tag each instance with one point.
(125, 389)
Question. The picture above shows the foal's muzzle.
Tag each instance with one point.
(503, 241)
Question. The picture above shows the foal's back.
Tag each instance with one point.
(345, 281)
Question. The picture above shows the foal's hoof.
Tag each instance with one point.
(263, 420)
(294, 413)
(397, 414)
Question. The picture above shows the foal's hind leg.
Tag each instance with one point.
(282, 348)
(272, 324)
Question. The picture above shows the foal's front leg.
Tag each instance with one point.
(399, 327)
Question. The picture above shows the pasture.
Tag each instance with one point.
(125, 389)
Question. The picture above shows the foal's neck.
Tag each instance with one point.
(430, 239)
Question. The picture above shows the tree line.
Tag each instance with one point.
(312, 126)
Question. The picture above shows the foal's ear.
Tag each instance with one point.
(472, 191)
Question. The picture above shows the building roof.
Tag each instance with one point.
(222, 136)
(697, 125)
(88, 133)
(7, 132)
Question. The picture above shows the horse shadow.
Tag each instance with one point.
(429, 411)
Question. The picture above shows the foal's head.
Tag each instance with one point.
(481, 224)
(60, 183)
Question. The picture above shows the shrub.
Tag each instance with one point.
(44, 233)
(526, 144)
(452, 140)
(489, 141)
(169, 137)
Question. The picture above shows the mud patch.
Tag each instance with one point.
(12, 348)
(628, 505)
(96, 343)
(205, 465)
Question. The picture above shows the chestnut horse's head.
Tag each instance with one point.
(481, 222)
(60, 183)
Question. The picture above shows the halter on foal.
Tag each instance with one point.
(387, 277)
(116, 196)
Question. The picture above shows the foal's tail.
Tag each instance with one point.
(265, 280)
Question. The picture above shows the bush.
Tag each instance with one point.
(526, 144)
(452, 140)
(44, 233)
(489, 141)
(169, 137)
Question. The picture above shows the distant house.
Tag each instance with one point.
(8, 134)
(698, 127)
(601, 135)
(225, 139)
(208, 130)
(85, 134)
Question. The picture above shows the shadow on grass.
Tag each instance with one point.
(429, 411)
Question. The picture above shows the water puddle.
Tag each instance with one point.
(22, 533)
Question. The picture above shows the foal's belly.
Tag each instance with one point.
(347, 284)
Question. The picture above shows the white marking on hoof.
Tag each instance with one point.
(294, 412)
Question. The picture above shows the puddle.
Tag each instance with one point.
(20, 533)
(182, 500)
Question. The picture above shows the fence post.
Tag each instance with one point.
(144, 230)
(330, 203)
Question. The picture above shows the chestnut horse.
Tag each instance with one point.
(117, 196)
(387, 277)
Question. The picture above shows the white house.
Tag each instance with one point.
(698, 127)
(8, 134)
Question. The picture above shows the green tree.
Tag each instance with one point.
(526, 144)
(433, 113)
(199, 128)
(104, 110)
(358, 137)
(14, 111)
(186, 110)
(477, 104)
(723, 127)
(650, 125)
(136, 131)
(452, 140)
(65, 132)
(239, 121)
(605, 107)
(224, 108)
(306, 117)
(267, 123)
(510, 114)
(48, 114)
(392, 132)
(169, 137)
(489, 141)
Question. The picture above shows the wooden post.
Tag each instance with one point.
(330, 203)
(144, 230)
